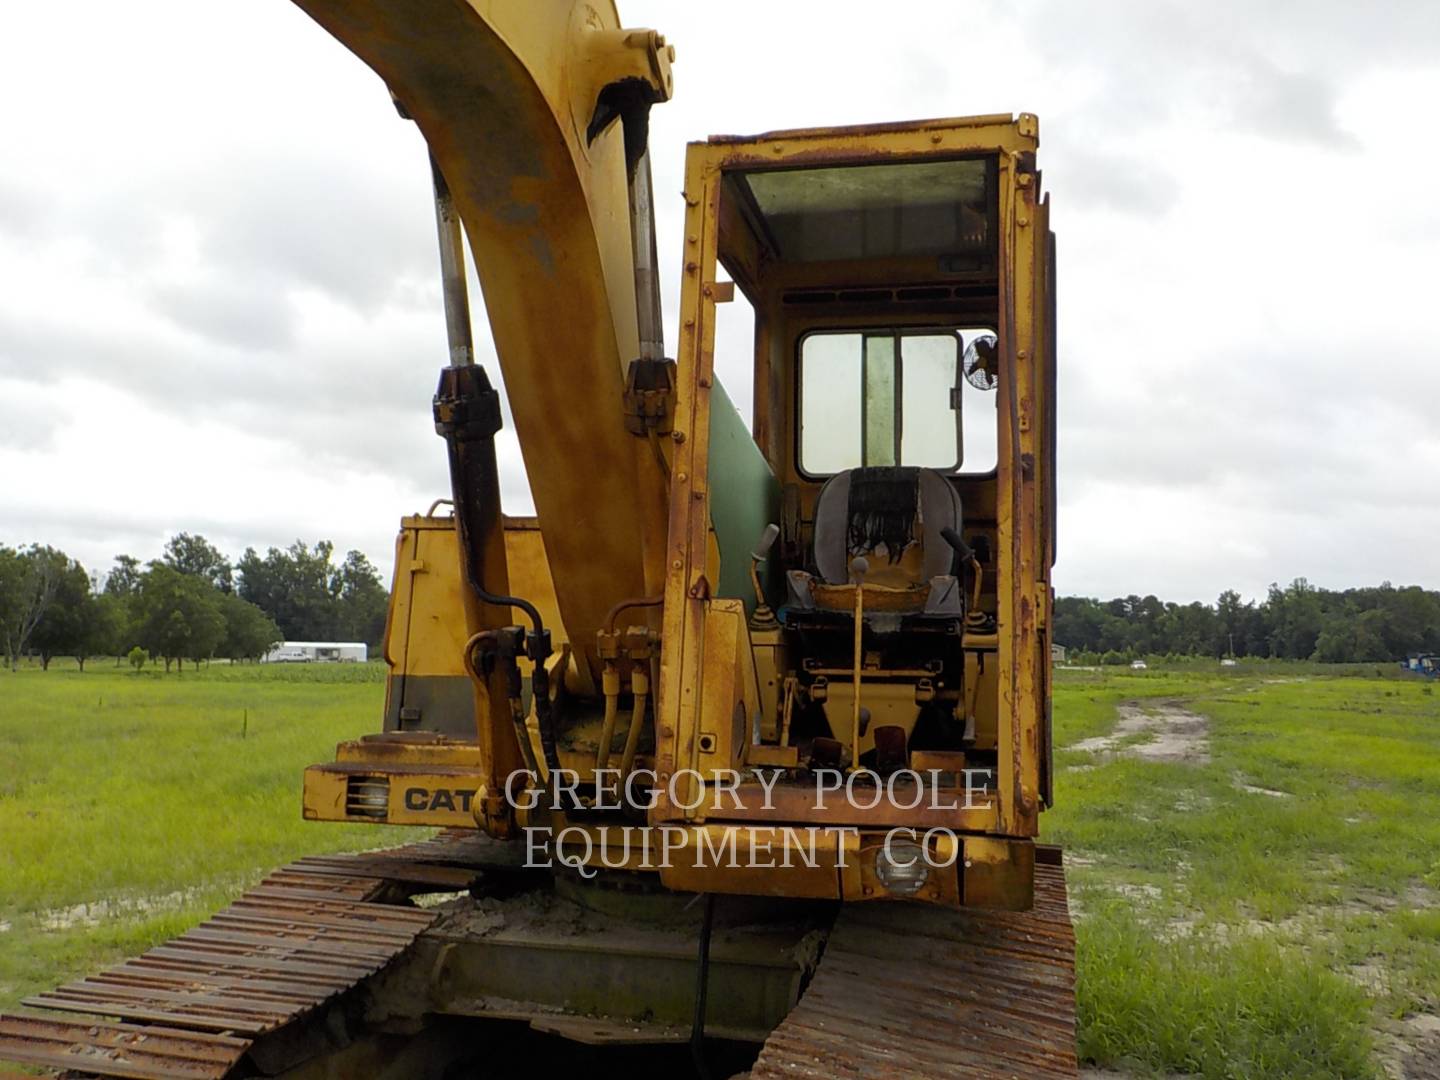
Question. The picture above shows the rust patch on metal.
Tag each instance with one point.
(859, 130)
(195, 1006)
(117, 1049)
(905, 990)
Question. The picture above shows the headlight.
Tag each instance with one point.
(901, 867)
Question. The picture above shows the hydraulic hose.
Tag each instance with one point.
(625, 605)
(702, 987)
(610, 687)
(640, 684)
(540, 693)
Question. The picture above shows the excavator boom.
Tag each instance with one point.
(527, 109)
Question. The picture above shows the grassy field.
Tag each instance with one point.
(131, 806)
(1264, 899)
(1261, 899)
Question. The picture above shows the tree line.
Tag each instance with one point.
(1298, 622)
(193, 603)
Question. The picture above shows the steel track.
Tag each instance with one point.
(911, 991)
(903, 991)
(195, 1006)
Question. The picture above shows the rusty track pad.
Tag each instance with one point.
(912, 991)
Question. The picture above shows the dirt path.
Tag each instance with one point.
(1410, 1048)
(97, 912)
(1161, 730)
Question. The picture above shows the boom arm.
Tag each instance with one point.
(528, 109)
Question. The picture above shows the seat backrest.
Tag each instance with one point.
(890, 515)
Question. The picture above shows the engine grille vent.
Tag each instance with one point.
(367, 797)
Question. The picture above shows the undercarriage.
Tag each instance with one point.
(450, 958)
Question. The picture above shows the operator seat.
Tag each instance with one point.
(892, 516)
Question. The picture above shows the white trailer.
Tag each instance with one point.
(317, 652)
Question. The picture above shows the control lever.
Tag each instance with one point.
(962, 549)
(763, 618)
(767, 541)
(859, 567)
(974, 618)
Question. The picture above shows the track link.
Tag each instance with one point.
(192, 1008)
(906, 991)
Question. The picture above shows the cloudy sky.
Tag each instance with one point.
(219, 304)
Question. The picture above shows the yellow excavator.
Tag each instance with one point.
(738, 747)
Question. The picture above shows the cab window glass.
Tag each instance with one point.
(895, 397)
(830, 394)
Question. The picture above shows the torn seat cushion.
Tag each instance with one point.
(892, 517)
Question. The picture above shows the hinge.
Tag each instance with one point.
(720, 292)
(650, 397)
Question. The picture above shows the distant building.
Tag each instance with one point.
(307, 652)
(1057, 653)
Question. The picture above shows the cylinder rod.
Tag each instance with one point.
(647, 275)
(452, 272)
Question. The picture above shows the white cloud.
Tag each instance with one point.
(219, 308)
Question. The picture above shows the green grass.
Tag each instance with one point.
(1230, 933)
(1241, 1008)
(1221, 933)
(161, 796)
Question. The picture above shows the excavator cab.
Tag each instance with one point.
(902, 378)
